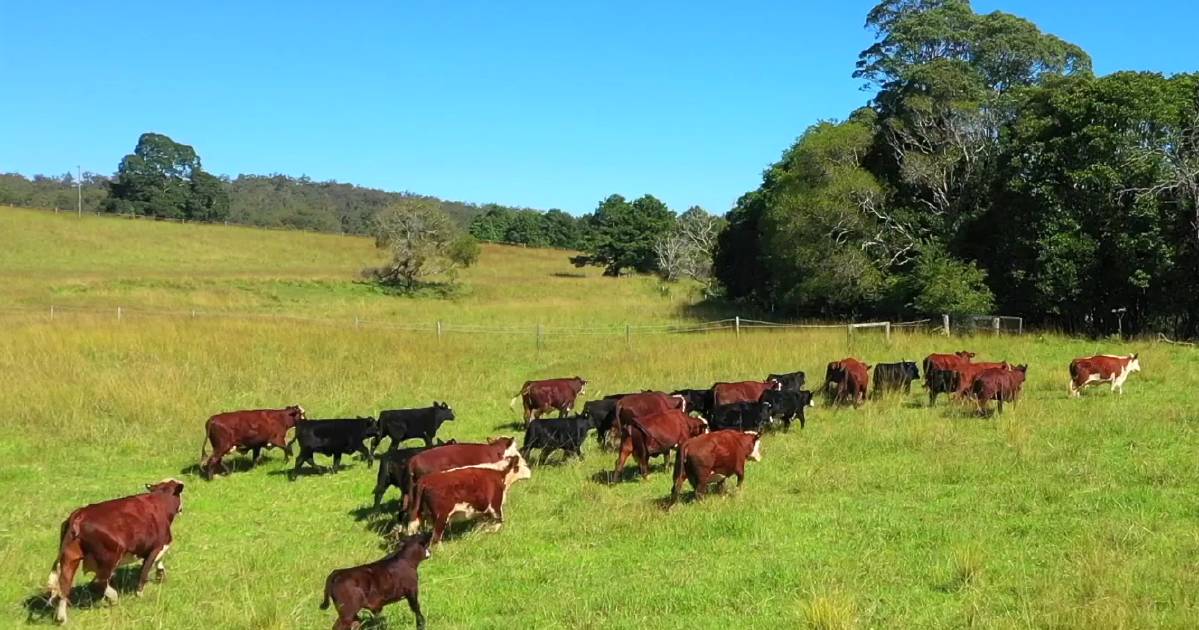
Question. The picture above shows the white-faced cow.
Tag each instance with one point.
(720, 453)
(1104, 368)
(464, 492)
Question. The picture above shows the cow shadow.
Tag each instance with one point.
(516, 425)
(124, 580)
(233, 464)
(627, 474)
(567, 274)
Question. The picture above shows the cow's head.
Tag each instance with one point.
(442, 412)
(965, 355)
(582, 384)
(774, 383)
(755, 451)
(517, 469)
(170, 487)
(297, 413)
(761, 413)
(414, 548)
(507, 443)
(910, 370)
(806, 399)
(1134, 364)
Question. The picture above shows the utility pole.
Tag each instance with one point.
(79, 189)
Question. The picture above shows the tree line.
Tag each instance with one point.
(991, 171)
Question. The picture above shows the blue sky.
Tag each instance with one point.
(540, 104)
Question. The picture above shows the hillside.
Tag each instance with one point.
(1060, 513)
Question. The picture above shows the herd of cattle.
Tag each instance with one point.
(711, 432)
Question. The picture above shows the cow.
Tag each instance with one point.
(551, 434)
(249, 430)
(642, 404)
(102, 536)
(1103, 368)
(940, 373)
(789, 382)
(742, 391)
(603, 414)
(655, 434)
(699, 401)
(1000, 384)
(786, 405)
(469, 492)
(439, 458)
(392, 465)
(892, 377)
(334, 437)
(407, 424)
(967, 372)
(541, 397)
(377, 584)
(846, 381)
(744, 416)
(720, 453)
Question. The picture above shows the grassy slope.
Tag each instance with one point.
(1062, 513)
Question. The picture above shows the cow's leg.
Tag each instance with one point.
(428, 438)
(337, 461)
(439, 525)
(740, 472)
(626, 449)
(545, 455)
(701, 486)
(414, 605)
(147, 564)
(256, 456)
(1001, 404)
(214, 465)
(105, 567)
(370, 457)
(62, 578)
(299, 462)
(932, 396)
(347, 618)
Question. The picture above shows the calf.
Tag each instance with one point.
(786, 405)
(744, 416)
(846, 381)
(541, 397)
(789, 382)
(392, 465)
(494, 453)
(892, 377)
(551, 434)
(699, 401)
(999, 384)
(104, 535)
(1103, 368)
(603, 415)
(408, 424)
(940, 373)
(468, 492)
(655, 434)
(375, 585)
(249, 430)
(720, 453)
(742, 391)
(333, 437)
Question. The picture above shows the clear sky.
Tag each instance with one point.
(540, 104)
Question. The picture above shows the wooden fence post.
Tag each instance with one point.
(356, 323)
(995, 325)
(849, 338)
(737, 324)
(887, 332)
(439, 330)
(540, 333)
(51, 312)
(628, 336)
(1019, 325)
(945, 323)
(118, 313)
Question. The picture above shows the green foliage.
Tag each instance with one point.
(163, 178)
(424, 243)
(943, 284)
(522, 226)
(41, 191)
(625, 233)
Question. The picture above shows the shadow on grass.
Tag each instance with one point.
(383, 521)
(83, 597)
(567, 274)
(233, 464)
(630, 473)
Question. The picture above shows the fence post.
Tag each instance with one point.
(439, 330)
(118, 313)
(51, 312)
(945, 323)
(628, 336)
(193, 313)
(356, 324)
(995, 325)
(540, 332)
(849, 338)
(737, 324)
(1019, 325)
(887, 332)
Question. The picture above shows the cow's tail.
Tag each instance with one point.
(328, 589)
(204, 444)
(524, 389)
(54, 585)
(414, 510)
(677, 477)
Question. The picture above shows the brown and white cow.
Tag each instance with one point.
(246, 430)
(102, 536)
(941, 371)
(721, 453)
(999, 384)
(466, 492)
(1103, 368)
(656, 434)
(493, 454)
(541, 397)
(742, 391)
(846, 381)
(377, 584)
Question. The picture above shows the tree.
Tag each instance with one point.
(625, 233)
(423, 241)
(560, 229)
(686, 252)
(163, 178)
(942, 284)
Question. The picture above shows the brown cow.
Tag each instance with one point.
(492, 454)
(655, 434)
(742, 391)
(718, 453)
(940, 373)
(967, 372)
(1103, 368)
(246, 430)
(469, 492)
(847, 381)
(1001, 384)
(103, 536)
(377, 584)
(641, 405)
(540, 397)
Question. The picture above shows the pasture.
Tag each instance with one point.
(1060, 513)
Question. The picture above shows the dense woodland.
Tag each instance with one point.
(990, 172)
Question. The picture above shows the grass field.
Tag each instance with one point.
(1061, 513)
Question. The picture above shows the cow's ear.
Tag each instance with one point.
(149, 486)
(178, 489)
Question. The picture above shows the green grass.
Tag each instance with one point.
(1061, 513)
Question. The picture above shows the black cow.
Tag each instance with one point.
(551, 434)
(334, 437)
(602, 413)
(791, 381)
(393, 468)
(699, 401)
(787, 405)
(892, 377)
(742, 416)
(407, 424)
